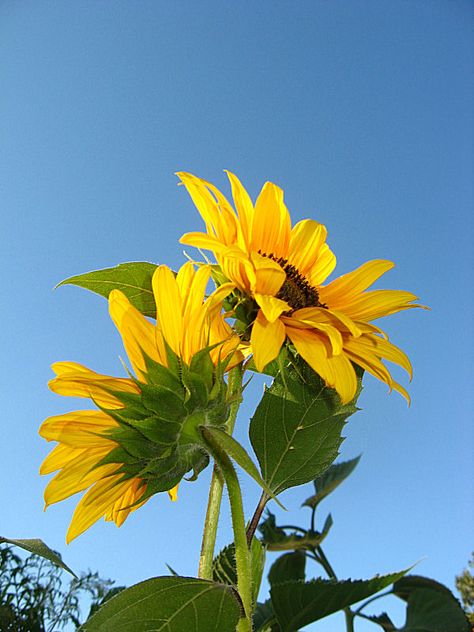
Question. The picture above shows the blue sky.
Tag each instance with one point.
(362, 112)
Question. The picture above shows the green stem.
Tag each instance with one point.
(256, 517)
(349, 615)
(242, 553)
(217, 483)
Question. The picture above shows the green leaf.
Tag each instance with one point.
(432, 607)
(237, 453)
(384, 621)
(405, 586)
(169, 604)
(38, 547)
(288, 567)
(297, 604)
(277, 539)
(431, 610)
(133, 279)
(224, 568)
(330, 479)
(264, 619)
(296, 429)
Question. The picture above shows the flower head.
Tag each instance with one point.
(139, 442)
(275, 273)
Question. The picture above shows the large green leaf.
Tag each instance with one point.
(330, 479)
(287, 567)
(169, 604)
(296, 429)
(38, 547)
(133, 279)
(297, 604)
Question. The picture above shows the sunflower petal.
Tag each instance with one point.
(271, 223)
(266, 339)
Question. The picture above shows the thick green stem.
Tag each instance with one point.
(217, 483)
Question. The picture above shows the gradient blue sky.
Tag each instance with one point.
(362, 112)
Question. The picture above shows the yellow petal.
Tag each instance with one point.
(272, 307)
(173, 493)
(169, 307)
(266, 339)
(60, 456)
(324, 266)
(245, 210)
(76, 380)
(269, 275)
(378, 303)
(344, 289)
(77, 476)
(95, 504)
(138, 334)
(271, 223)
(307, 237)
(78, 429)
(204, 241)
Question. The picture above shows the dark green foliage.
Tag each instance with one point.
(296, 429)
(34, 596)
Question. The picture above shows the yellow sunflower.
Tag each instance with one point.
(110, 452)
(277, 271)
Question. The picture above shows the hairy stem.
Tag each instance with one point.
(242, 553)
(217, 482)
(264, 498)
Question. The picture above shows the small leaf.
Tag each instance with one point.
(290, 566)
(384, 621)
(277, 539)
(133, 279)
(38, 547)
(169, 604)
(296, 429)
(432, 610)
(297, 604)
(237, 453)
(330, 479)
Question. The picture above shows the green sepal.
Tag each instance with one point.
(162, 375)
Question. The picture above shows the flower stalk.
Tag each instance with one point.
(217, 483)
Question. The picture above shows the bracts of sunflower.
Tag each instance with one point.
(274, 275)
(143, 438)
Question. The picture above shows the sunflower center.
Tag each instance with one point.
(296, 290)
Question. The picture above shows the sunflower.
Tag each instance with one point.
(111, 452)
(275, 273)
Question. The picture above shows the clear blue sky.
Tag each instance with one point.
(362, 112)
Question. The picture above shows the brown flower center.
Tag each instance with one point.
(296, 290)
